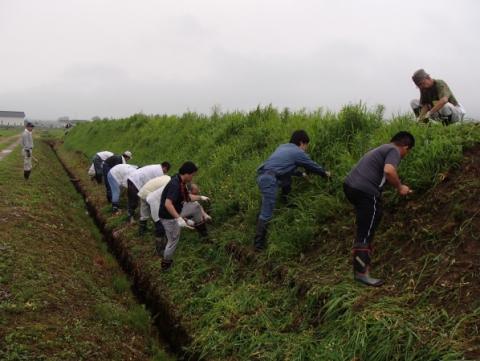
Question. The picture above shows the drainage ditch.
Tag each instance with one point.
(168, 325)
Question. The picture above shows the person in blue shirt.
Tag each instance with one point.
(276, 172)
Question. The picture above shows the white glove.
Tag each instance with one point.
(204, 198)
(181, 222)
(427, 115)
(190, 222)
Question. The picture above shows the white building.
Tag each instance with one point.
(13, 119)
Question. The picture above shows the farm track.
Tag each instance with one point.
(148, 292)
(8, 149)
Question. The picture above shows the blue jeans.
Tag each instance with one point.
(115, 188)
(268, 188)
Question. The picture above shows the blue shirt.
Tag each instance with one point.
(286, 158)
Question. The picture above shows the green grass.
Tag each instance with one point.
(62, 297)
(297, 300)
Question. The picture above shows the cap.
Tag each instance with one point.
(419, 75)
(128, 154)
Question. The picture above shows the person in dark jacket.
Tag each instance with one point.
(363, 188)
(111, 162)
(276, 172)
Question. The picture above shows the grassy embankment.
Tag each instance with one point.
(297, 301)
(62, 296)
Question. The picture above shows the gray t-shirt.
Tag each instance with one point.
(368, 175)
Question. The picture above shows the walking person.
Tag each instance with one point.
(436, 100)
(174, 196)
(27, 148)
(276, 172)
(137, 180)
(363, 188)
(96, 169)
(108, 164)
(117, 178)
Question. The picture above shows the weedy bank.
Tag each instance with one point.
(62, 296)
(297, 301)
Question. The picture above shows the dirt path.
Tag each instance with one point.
(9, 148)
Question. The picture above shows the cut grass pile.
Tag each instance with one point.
(297, 300)
(62, 296)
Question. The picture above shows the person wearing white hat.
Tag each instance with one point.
(27, 147)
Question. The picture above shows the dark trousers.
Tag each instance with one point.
(369, 211)
(105, 170)
(132, 195)
(97, 165)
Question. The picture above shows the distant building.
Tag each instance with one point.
(13, 119)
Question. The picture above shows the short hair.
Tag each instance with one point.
(188, 168)
(166, 165)
(403, 138)
(299, 136)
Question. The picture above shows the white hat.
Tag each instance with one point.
(128, 154)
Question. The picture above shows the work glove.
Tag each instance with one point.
(205, 198)
(181, 222)
(190, 222)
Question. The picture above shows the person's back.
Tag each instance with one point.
(144, 174)
(121, 172)
(114, 160)
(152, 185)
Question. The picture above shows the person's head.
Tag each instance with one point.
(300, 138)
(29, 126)
(422, 80)
(194, 189)
(127, 155)
(187, 171)
(166, 167)
(404, 141)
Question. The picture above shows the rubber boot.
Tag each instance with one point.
(142, 227)
(361, 266)
(260, 235)
(202, 230)
(26, 174)
(166, 264)
(160, 244)
(115, 208)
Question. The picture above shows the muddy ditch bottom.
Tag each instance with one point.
(168, 325)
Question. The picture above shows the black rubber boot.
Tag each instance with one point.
(202, 230)
(115, 208)
(361, 266)
(26, 174)
(166, 264)
(142, 227)
(260, 242)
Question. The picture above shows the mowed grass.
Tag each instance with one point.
(62, 296)
(297, 300)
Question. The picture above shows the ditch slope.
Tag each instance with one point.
(62, 295)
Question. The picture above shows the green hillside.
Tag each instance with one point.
(297, 301)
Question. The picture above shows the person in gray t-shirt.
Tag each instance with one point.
(363, 188)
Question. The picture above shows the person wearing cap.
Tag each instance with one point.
(137, 180)
(363, 188)
(111, 162)
(117, 177)
(174, 196)
(276, 172)
(96, 169)
(27, 147)
(436, 100)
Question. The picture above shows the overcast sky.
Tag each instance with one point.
(113, 58)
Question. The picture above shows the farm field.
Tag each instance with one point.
(62, 295)
(297, 300)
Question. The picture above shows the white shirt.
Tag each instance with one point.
(105, 154)
(121, 172)
(144, 174)
(153, 185)
(153, 200)
(27, 141)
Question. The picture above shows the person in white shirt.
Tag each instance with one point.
(117, 177)
(27, 147)
(138, 179)
(149, 196)
(96, 169)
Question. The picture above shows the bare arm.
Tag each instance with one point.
(393, 178)
(439, 104)
(171, 209)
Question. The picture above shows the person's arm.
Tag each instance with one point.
(423, 113)
(304, 161)
(393, 178)
(197, 197)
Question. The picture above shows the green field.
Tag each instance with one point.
(297, 300)
(62, 295)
